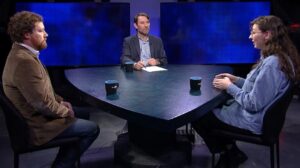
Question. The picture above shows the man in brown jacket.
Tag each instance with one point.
(27, 84)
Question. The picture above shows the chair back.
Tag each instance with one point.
(16, 125)
(275, 116)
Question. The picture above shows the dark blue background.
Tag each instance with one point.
(82, 34)
(210, 32)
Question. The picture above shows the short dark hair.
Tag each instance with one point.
(21, 23)
(140, 14)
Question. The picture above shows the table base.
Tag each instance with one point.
(174, 155)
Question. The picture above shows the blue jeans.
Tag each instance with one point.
(87, 131)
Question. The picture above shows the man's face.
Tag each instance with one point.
(38, 37)
(142, 25)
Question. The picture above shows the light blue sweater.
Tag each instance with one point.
(252, 95)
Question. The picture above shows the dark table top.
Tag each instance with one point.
(159, 99)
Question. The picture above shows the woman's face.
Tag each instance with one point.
(258, 37)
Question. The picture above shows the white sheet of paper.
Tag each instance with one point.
(153, 69)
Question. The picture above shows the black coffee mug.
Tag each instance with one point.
(129, 66)
(195, 83)
(111, 86)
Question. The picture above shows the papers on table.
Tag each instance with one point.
(153, 69)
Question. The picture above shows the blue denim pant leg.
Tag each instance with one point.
(87, 131)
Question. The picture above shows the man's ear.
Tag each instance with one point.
(27, 36)
(134, 24)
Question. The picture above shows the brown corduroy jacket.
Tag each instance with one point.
(27, 84)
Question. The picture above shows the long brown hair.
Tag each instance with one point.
(280, 45)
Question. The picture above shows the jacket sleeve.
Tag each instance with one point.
(162, 57)
(58, 98)
(126, 52)
(34, 84)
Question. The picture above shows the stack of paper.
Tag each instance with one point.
(153, 69)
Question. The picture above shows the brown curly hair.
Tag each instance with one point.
(21, 23)
(280, 45)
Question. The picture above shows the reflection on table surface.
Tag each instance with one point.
(161, 99)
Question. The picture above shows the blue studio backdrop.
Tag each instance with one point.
(82, 34)
(210, 32)
(91, 34)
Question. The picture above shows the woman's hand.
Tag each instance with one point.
(222, 83)
(231, 77)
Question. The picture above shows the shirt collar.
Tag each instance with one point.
(34, 51)
(142, 39)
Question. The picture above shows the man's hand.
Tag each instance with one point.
(153, 62)
(138, 65)
(69, 106)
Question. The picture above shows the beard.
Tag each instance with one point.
(145, 32)
(42, 45)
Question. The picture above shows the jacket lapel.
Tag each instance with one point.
(137, 45)
(151, 46)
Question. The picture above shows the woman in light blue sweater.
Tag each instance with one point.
(269, 79)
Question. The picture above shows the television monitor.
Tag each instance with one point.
(82, 34)
(210, 32)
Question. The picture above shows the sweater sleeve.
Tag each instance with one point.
(263, 89)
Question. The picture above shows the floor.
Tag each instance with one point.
(100, 154)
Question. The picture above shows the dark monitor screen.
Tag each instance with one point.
(210, 32)
(82, 34)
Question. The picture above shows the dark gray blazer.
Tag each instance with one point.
(131, 49)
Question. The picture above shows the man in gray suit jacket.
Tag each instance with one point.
(143, 49)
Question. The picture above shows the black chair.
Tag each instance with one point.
(272, 125)
(19, 133)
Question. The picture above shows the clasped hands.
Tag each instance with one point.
(140, 64)
(223, 80)
(70, 108)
